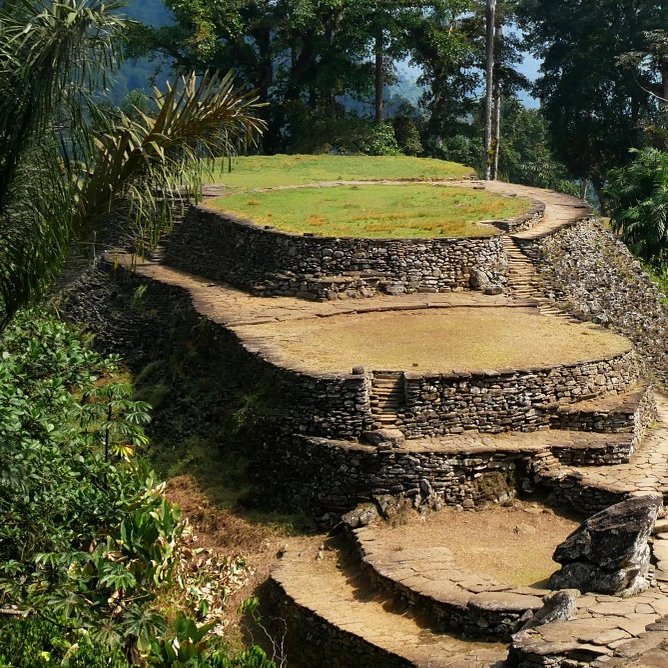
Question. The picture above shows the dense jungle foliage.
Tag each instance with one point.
(88, 543)
(89, 547)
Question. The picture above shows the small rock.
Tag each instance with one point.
(478, 280)
(557, 607)
(361, 516)
(393, 437)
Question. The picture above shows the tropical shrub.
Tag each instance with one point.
(637, 199)
(88, 543)
(407, 135)
(379, 140)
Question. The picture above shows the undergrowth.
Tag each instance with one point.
(89, 545)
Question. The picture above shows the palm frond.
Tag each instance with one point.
(137, 159)
(50, 54)
(36, 228)
(143, 157)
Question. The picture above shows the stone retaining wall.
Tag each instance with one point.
(337, 475)
(596, 278)
(633, 417)
(569, 490)
(340, 406)
(534, 216)
(515, 399)
(311, 640)
(334, 476)
(490, 611)
(268, 262)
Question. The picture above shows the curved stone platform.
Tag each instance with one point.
(455, 597)
(268, 261)
(401, 605)
(333, 619)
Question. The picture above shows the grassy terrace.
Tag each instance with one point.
(285, 170)
(436, 340)
(407, 210)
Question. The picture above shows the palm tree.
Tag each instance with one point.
(63, 162)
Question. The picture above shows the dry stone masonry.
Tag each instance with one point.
(586, 433)
(270, 262)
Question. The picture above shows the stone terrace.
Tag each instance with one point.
(588, 448)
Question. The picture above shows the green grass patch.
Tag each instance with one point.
(410, 210)
(285, 170)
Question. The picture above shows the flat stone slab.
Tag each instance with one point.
(505, 601)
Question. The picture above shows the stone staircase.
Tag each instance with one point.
(524, 282)
(523, 279)
(387, 399)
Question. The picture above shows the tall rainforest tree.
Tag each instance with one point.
(595, 100)
(303, 56)
(63, 163)
(442, 45)
(490, 39)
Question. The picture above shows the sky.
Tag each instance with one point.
(529, 68)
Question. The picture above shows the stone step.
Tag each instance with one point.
(630, 412)
(390, 391)
(334, 619)
(591, 489)
(387, 406)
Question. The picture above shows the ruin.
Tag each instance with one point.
(578, 420)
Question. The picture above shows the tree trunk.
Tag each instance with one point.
(496, 88)
(380, 78)
(664, 87)
(489, 83)
(496, 131)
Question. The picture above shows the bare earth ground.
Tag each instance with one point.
(511, 545)
(228, 533)
(435, 340)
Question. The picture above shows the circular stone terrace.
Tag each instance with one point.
(442, 350)
(460, 338)
(446, 333)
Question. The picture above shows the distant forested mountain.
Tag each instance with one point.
(140, 74)
(152, 12)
